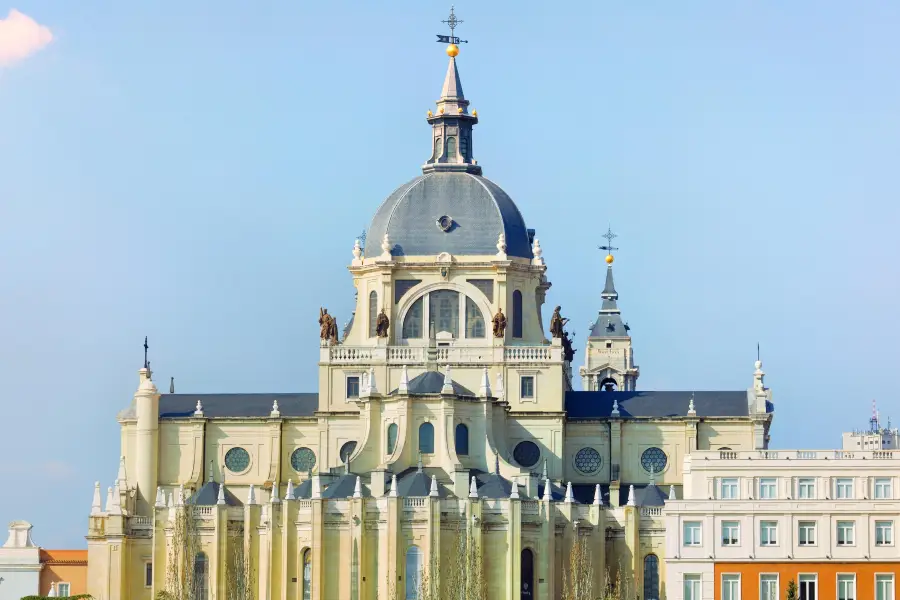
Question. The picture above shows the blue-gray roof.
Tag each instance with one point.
(432, 382)
(237, 405)
(598, 405)
(208, 495)
(479, 208)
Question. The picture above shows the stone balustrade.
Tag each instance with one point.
(461, 355)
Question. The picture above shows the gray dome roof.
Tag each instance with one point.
(480, 211)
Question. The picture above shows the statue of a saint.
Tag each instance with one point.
(557, 323)
(382, 323)
(327, 327)
(568, 351)
(499, 321)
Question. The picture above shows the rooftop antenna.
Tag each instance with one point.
(452, 22)
(873, 421)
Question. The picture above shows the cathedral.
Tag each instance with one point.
(444, 429)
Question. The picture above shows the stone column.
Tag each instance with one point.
(146, 401)
(514, 550)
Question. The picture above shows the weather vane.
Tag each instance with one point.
(452, 22)
(610, 236)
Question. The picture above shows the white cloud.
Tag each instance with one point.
(20, 37)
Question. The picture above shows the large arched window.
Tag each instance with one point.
(391, 438)
(527, 575)
(443, 306)
(474, 320)
(651, 577)
(426, 438)
(412, 323)
(451, 147)
(462, 439)
(307, 574)
(413, 572)
(201, 577)
(373, 313)
(517, 314)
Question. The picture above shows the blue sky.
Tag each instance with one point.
(197, 172)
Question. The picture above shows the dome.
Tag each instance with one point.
(456, 212)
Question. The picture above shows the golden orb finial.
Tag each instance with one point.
(430, 114)
(609, 259)
(474, 113)
(459, 110)
(452, 50)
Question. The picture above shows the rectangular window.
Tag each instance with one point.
(692, 533)
(846, 587)
(806, 488)
(768, 533)
(731, 587)
(884, 533)
(806, 533)
(729, 489)
(767, 488)
(768, 587)
(148, 574)
(353, 387)
(692, 587)
(884, 587)
(527, 387)
(883, 488)
(845, 531)
(808, 587)
(731, 531)
(62, 590)
(844, 488)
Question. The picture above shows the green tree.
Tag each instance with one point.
(791, 590)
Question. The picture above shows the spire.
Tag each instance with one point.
(631, 501)
(598, 500)
(609, 293)
(484, 391)
(570, 498)
(547, 497)
(434, 488)
(160, 498)
(289, 494)
(275, 499)
(109, 500)
(609, 320)
(220, 498)
(448, 382)
(672, 493)
(96, 506)
(122, 477)
(473, 488)
(357, 489)
(393, 492)
(514, 493)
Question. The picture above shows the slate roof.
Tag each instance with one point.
(208, 495)
(643, 495)
(479, 208)
(303, 491)
(431, 382)
(343, 487)
(598, 405)
(172, 406)
(413, 483)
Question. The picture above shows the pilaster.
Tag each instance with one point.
(514, 550)
(544, 561)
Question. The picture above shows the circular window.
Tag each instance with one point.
(527, 454)
(587, 460)
(347, 451)
(654, 460)
(237, 460)
(303, 460)
(444, 223)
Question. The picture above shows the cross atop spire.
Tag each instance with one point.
(146, 349)
(452, 22)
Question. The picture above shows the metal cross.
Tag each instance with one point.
(362, 239)
(146, 348)
(452, 22)
(610, 236)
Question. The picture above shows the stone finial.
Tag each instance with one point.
(316, 488)
(357, 251)
(448, 382)
(631, 501)
(434, 488)
(289, 493)
(544, 471)
(419, 463)
(570, 498)
(122, 476)
(672, 493)
(373, 386)
(538, 253)
(473, 489)
(501, 246)
(691, 412)
(116, 499)
(386, 246)
(220, 498)
(160, 498)
(393, 492)
(198, 411)
(547, 495)
(96, 506)
(171, 385)
(514, 493)
(499, 390)
(275, 412)
(598, 498)
(274, 499)
(484, 390)
(615, 408)
(179, 499)
(109, 500)
(357, 489)
(251, 495)
(403, 388)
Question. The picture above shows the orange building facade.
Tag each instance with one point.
(820, 580)
(65, 571)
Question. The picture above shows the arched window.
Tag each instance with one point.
(391, 438)
(201, 577)
(462, 439)
(527, 575)
(444, 308)
(464, 147)
(437, 148)
(451, 147)
(307, 574)
(373, 312)
(609, 385)
(474, 320)
(426, 438)
(651, 577)
(412, 323)
(517, 314)
(413, 572)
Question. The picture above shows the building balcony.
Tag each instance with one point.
(453, 355)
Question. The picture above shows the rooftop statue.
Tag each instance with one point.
(382, 323)
(327, 327)
(499, 322)
(557, 323)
